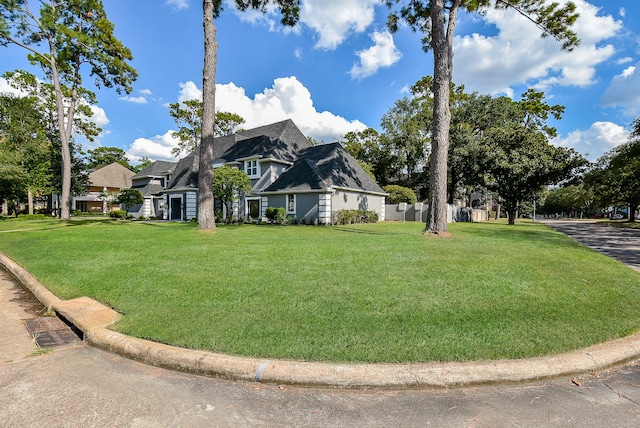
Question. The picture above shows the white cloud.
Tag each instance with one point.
(178, 4)
(382, 54)
(156, 148)
(286, 99)
(189, 91)
(518, 55)
(331, 20)
(624, 91)
(595, 141)
(99, 116)
(5, 88)
(145, 92)
(135, 100)
(334, 20)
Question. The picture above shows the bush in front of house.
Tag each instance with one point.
(31, 216)
(398, 194)
(355, 216)
(275, 215)
(118, 214)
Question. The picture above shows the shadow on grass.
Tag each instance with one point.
(358, 230)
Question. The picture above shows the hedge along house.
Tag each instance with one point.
(311, 182)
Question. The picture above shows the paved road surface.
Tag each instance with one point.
(618, 242)
(76, 385)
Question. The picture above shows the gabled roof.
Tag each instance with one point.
(112, 175)
(281, 140)
(150, 189)
(323, 166)
(156, 169)
(185, 174)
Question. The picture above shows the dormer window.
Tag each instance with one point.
(252, 168)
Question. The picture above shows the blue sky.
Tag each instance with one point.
(340, 70)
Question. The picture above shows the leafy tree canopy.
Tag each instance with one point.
(102, 156)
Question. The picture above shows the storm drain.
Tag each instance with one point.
(50, 331)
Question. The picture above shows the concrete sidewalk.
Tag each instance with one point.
(93, 319)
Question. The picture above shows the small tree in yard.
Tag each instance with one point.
(129, 198)
(398, 194)
(228, 184)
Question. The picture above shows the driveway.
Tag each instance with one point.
(618, 242)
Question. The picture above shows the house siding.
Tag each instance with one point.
(324, 208)
(307, 206)
(190, 204)
(346, 200)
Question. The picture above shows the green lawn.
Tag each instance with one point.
(369, 293)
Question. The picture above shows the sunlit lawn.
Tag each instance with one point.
(371, 293)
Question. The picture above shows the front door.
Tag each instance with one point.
(176, 208)
(253, 208)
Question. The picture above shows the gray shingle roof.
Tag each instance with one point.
(185, 175)
(281, 140)
(322, 166)
(156, 169)
(150, 189)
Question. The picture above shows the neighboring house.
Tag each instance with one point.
(151, 182)
(311, 182)
(105, 183)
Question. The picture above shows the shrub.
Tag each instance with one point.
(398, 194)
(31, 216)
(275, 215)
(118, 214)
(355, 216)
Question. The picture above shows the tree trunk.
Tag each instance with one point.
(442, 44)
(30, 200)
(206, 215)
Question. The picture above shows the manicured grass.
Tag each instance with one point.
(369, 293)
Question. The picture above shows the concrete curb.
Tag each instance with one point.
(93, 318)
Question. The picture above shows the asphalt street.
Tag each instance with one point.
(77, 385)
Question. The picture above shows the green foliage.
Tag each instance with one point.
(355, 216)
(64, 39)
(188, 117)
(144, 163)
(276, 215)
(118, 214)
(25, 151)
(129, 198)
(436, 20)
(369, 147)
(102, 156)
(31, 216)
(615, 178)
(574, 200)
(228, 185)
(398, 194)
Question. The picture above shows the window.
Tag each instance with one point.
(291, 204)
(251, 168)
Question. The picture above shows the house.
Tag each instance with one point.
(104, 183)
(311, 182)
(151, 182)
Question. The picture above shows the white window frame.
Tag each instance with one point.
(294, 203)
(252, 168)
